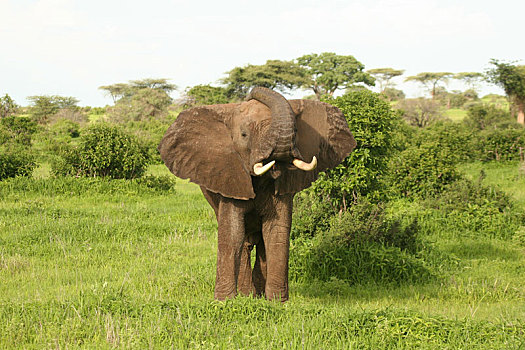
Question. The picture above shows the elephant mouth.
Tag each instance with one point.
(260, 169)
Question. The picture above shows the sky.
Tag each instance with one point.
(72, 47)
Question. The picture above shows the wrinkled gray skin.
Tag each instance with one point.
(217, 147)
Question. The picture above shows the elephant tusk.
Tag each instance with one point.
(305, 166)
(260, 169)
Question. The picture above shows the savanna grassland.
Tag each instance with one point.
(102, 264)
(417, 241)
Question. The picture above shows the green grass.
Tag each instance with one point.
(455, 114)
(110, 264)
(506, 176)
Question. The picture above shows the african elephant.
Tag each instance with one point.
(250, 159)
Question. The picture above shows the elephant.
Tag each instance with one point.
(250, 159)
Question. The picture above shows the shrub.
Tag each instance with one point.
(372, 123)
(482, 116)
(500, 144)
(328, 258)
(65, 128)
(74, 114)
(311, 215)
(360, 245)
(366, 222)
(104, 150)
(17, 130)
(469, 209)
(149, 134)
(15, 162)
(456, 139)
(422, 171)
(393, 94)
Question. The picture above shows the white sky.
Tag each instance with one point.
(71, 47)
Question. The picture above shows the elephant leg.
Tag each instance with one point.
(259, 269)
(245, 285)
(276, 237)
(231, 238)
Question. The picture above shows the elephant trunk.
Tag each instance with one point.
(281, 135)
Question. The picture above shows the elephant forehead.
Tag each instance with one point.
(253, 111)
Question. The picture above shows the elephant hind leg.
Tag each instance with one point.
(259, 269)
(244, 283)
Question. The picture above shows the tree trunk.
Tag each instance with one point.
(521, 113)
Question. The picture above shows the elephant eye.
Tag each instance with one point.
(243, 134)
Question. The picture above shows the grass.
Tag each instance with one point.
(455, 114)
(110, 264)
(506, 176)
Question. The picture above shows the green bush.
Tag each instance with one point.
(311, 215)
(360, 245)
(149, 134)
(104, 150)
(366, 222)
(15, 162)
(65, 128)
(500, 144)
(327, 258)
(372, 123)
(456, 139)
(17, 130)
(469, 209)
(483, 116)
(422, 171)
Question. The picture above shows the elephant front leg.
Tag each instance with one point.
(276, 237)
(231, 234)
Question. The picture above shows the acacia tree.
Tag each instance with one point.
(430, 80)
(121, 91)
(205, 95)
(327, 72)
(117, 91)
(7, 106)
(471, 79)
(274, 74)
(512, 79)
(157, 84)
(384, 76)
(45, 106)
(139, 99)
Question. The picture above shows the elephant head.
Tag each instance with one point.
(223, 147)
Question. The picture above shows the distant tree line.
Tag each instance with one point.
(323, 74)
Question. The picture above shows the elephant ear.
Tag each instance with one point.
(198, 146)
(322, 131)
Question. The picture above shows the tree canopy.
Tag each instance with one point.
(470, 78)
(384, 76)
(127, 90)
(323, 73)
(140, 99)
(511, 78)
(206, 95)
(328, 72)
(430, 80)
(7, 106)
(274, 74)
(45, 106)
